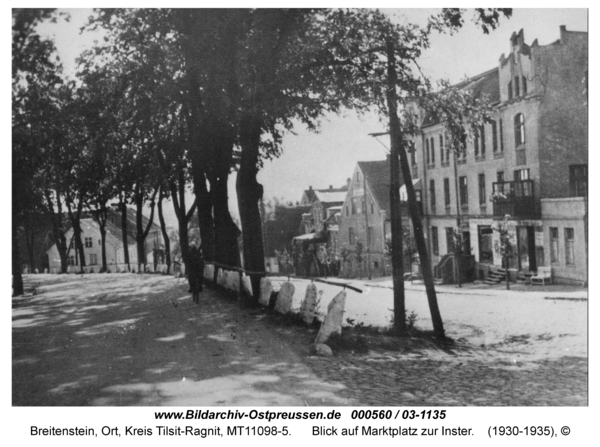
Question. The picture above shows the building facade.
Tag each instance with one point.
(364, 228)
(528, 165)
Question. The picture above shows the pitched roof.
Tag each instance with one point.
(486, 83)
(329, 196)
(377, 177)
(311, 194)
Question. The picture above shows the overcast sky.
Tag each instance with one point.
(328, 157)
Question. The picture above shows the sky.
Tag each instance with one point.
(329, 156)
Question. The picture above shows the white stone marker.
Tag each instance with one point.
(266, 288)
(247, 284)
(220, 275)
(209, 272)
(284, 299)
(309, 304)
(333, 319)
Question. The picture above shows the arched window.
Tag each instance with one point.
(524, 79)
(517, 93)
(519, 129)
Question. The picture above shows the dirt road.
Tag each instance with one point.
(126, 339)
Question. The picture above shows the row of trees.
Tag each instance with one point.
(173, 99)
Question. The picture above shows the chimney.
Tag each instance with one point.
(348, 181)
(310, 188)
(330, 187)
(563, 32)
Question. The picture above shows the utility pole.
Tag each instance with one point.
(458, 241)
(367, 225)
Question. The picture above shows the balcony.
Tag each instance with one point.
(516, 199)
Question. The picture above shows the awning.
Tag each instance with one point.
(311, 237)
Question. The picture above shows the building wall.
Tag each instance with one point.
(561, 214)
(555, 112)
(358, 222)
(563, 116)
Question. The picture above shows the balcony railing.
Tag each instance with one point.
(516, 199)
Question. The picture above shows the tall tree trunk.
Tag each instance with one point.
(17, 275)
(392, 100)
(250, 193)
(29, 227)
(205, 216)
(123, 208)
(395, 214)
(163, 229)
(76, 224)
(58, 233)
(102, 216)
(139, 230)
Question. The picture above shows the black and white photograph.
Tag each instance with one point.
(312, 207)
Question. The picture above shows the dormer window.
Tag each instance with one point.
(519, 129)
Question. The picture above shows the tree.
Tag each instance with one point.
(34, 72)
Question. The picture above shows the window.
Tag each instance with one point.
(427, 151)
(494, 136)
(441, 149)
(509, 90)
(372, 208)
(88, 242)
(524, 79)
(413, 155)
(554, 245)
(71, 260)
(347, 210)
(93, 259)
(486, 251)
(432, 195)
(357, 177)
(476, 144)
(519, 129)
(369, 235)
(449, 240)
(353, 206)
(500, 180)
(481, 189)
(351, 235)
(447, 193)
(578, 180)
(501, 137)
(569, 246)
(432, 151)
(435, 243)
(517, 92)
(482, 132)
(522, 174)
(522, 188)
(462, 187)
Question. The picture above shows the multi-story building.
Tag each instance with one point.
(365, 221)
(528, 165)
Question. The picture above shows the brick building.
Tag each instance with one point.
(529, 163)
